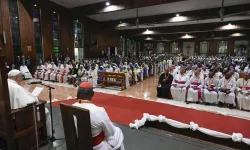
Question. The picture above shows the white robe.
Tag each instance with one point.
(177, 92)
(211, 96)
(25, 71)
(242, 97)
(192, 93)
(100, 122)
(47, 73)
(20, 97)
(53, 73)
(37, 74)
(94, 78)
(228, 84)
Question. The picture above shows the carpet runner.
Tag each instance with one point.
(125, 110)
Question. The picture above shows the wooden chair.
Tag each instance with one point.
(17, 127)
(80, 138)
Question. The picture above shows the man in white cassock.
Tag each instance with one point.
(179, 84)
(25, 71)
(243, 88)
(101, 126)
(227, 86)
(196, 84)
(211, 89)
(20, 97)
(93, 76)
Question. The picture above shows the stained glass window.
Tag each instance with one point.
(55, 30)
(78, 40)
(36, 12)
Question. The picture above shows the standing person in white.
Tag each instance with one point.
(101, 126)
(227, 86)
(20, 97)
(93, 76)
(211, 89)
(243, 87)
(178, 88)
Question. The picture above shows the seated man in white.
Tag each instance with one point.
(47, 73)
(20, 97)
(101, 126)
(211, 89)
(196, 84)
(37, 74)
(25, 71)
(243, 88)
(178, 88)
(227, 86)
(53, 72)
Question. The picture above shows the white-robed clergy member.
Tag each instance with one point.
(101, 126)
(196, 84)
(178, 88)
(227, 86)
(25, 71)
(93, 76)
(20, 97)
(243, 88)
(211, 89)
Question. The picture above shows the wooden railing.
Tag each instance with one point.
(110, 78)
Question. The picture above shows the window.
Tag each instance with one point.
(221, 48)
(122, 44)
(55, 28)
(241, 48)
(15, 29)
(36, 12)
(78, 40)
(128, 47)
(204, 48)
(174, 48)
(160, 48)
(134, 48)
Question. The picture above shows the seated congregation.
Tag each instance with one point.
(210, 82)
(135, 70)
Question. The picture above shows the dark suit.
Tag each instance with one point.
(164, 89)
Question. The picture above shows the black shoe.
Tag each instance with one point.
(231, 106)
(197, 102)
(206, 103)
(220, 104)
(187, 102)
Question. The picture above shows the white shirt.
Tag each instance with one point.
(24, 69)
(19, 96)
(198, 80)
(208, 82)
(229, 84)
(242, 83)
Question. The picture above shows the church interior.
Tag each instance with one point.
(124, 74)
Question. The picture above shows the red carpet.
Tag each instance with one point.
(125, 110)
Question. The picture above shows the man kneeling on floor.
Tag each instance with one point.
(101, 126)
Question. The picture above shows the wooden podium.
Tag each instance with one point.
(17, 129)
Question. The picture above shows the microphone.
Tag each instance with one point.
(36, 82)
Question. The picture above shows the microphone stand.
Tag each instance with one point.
(52, 138)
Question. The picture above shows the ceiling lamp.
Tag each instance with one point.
(107, 3)
(149, 38)
(35, 5)
(177, 15)
(237, 34)
(187, 36)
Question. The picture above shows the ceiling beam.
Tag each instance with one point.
(117, 5)
(189, 16)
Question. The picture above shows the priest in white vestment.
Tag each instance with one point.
(101, 126)
(20, 97)
(93, 76)
(227, 86)
(178, 88)
(211, 89)
(47, 73)
(243, 88)
(196, 84)
(25, 71)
